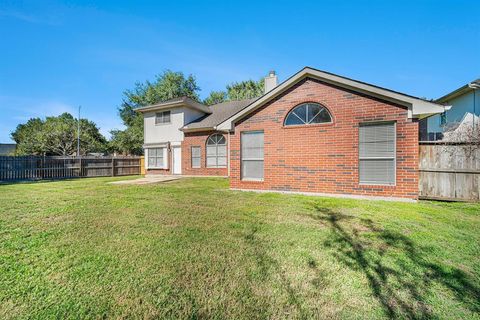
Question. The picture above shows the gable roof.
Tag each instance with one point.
(176, 102)
(475, 84)
(417, 107)
(219, 113)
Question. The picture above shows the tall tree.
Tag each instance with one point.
(29, 137)
(58, 136)
(167, 85)
(245, 89)
(128, 141)
(215, 97)
(237, 91)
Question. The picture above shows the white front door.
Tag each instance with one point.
(177, 160)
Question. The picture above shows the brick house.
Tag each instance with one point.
(316, 133)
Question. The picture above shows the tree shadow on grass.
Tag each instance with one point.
(268, 267)
(399, 273)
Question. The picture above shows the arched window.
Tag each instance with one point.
(216, 151)
(308, 113)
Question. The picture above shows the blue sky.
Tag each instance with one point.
(56, 55)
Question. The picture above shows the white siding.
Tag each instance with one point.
(163, 133)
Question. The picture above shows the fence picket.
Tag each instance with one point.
(449, 171)
(14, 168)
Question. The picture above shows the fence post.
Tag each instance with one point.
(142, 165)
(113, 166)
(80, 172)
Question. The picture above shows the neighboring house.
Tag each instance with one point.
(7, 149)
(316, 132)
(467, 130)
(465, 99)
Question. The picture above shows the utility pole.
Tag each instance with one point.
(78, 132)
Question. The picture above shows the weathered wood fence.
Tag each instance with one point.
(449, 171)
(38, 168)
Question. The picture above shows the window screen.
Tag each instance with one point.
(162, 117)
(252, 155)
(155, 158)
(377, 153)
(196, 156)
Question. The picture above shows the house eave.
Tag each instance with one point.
(188, 103)
(459, 92)
(416, 107)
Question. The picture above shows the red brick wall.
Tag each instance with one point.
(198, 139)
(323, 158)
(158, 171)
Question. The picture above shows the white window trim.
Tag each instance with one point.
(394, 158)
(163, 123)
(216, 153)
(308, 123)
(252, 159)
(165, 158)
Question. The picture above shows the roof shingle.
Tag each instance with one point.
(220, 112)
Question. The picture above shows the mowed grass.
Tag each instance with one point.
(194, 249)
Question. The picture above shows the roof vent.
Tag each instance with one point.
(271, 81)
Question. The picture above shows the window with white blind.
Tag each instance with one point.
(377, 153)
(155, 158)
(252, 155)
(216, 151)
(196, 156)
(162, 117)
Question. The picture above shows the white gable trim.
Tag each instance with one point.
(417, 108)
(183, 102)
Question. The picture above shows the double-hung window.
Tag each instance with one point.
(155, 158)
(252, 155)
(377, 153)
(162, 117)
(196, 156)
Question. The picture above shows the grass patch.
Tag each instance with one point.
(194, 249)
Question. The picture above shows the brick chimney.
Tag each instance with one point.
(271, 81)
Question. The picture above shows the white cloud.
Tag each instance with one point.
(30, 18)
(16, 110)
(31, 107)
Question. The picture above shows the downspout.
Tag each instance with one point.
(475, 87)
(228, 152)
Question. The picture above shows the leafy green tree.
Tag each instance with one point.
(128, 141)
(167, 85)
(215, 97)
(29, 138)
(236, 91)
(245, 89)
(58, 136)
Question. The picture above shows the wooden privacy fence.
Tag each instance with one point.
(37, 167)
(449, 171)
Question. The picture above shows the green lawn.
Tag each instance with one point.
(194, 249)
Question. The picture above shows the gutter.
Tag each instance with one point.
(214, 128)
(187, 129)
